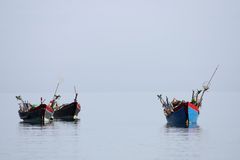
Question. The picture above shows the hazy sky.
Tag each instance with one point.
(124, 45)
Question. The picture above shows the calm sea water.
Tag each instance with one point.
(123, 126)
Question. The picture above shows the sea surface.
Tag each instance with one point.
(122, 126)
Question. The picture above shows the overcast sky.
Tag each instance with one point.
(119, 45)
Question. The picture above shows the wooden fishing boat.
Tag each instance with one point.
(36, 114)
(68, 112)
(185, 115)
(181, 113)
(41, 114)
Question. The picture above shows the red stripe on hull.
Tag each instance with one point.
(78, 106)
(186, 105)
(193, 106)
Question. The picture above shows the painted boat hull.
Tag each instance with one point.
(40, 115)
(68, 112)
(185, 115)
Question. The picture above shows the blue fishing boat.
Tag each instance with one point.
(181, 113)
(185, 115)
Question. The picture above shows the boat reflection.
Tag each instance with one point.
(183, 130)
(75, 121)
(33, 126)
(192, 125)
(53, 125)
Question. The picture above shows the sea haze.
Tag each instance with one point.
(122, 126)
(118, 53)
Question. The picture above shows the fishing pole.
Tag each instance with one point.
(56, 89)
(209, 82)
(207, 86)
(55, 97)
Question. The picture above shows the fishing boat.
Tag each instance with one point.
(68, 112)
(35, 114)
(184, 113)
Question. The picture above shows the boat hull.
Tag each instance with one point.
(40, 115)
(185, 115)
(67, 112)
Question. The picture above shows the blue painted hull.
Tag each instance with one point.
(185, 115)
